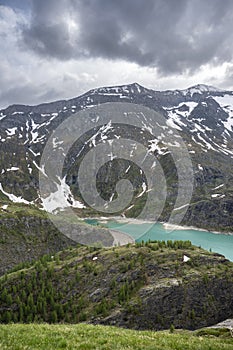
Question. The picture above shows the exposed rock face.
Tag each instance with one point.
(191, 304)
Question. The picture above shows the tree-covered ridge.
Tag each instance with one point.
(145, 286)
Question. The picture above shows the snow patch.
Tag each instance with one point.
(217, 195)
(13, 168)
(61, 199)
(12, 197)
(127, 170)
(224, 101)
(172, 122)
(42, 170)
(101, 133)
(143, 190)
(17, 113)
(11, 131)
(35, 154)
(56, 143)
(216, 188)
(182, 206)
(2, 116)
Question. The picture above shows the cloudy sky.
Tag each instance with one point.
(57, 49)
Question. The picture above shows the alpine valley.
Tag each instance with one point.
(46, 276)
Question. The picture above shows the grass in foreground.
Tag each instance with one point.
(89, 337)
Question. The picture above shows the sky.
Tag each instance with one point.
(59, 49)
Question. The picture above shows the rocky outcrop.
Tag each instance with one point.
(191, 304)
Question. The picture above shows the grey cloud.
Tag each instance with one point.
(47, 33)
(18, 94)
(174, 36)
(226, 83)
(56, 43)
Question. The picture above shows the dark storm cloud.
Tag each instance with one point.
(48, 33)
(173, 35)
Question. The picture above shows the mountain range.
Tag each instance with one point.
(201, 115)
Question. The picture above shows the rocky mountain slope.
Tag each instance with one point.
(26, 234)
(201, 115)
(142, 286)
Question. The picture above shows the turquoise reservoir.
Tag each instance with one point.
(219, 243)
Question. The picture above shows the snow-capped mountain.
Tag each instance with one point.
(202, 115)
(199, 89)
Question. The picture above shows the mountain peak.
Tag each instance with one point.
(118, 89)
(199, 89)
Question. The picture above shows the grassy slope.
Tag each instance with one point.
(82, 336)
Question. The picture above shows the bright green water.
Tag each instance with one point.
(219, 243)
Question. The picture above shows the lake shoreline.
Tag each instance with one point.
(167, 226)
(139, 230)
(121, 238)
